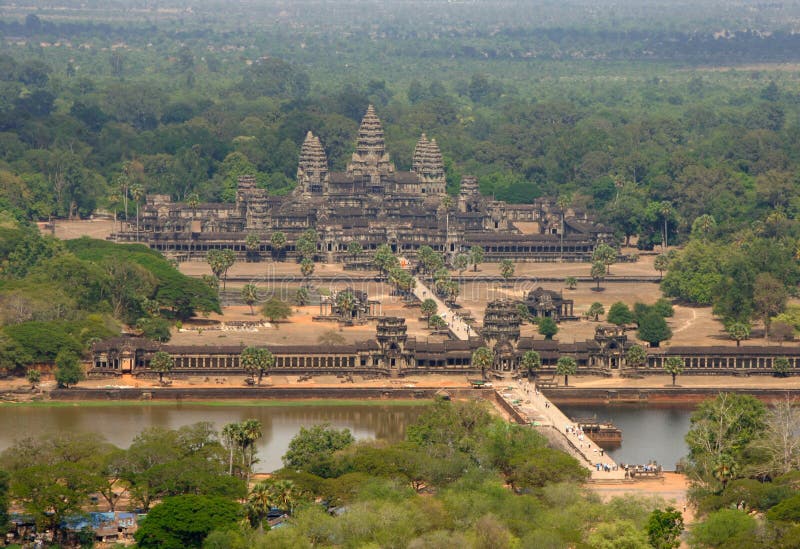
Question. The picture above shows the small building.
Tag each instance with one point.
(543, 303)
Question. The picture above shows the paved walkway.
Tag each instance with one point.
(457, 326)
(539, 409)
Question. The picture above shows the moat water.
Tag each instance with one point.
(120, 424)
(648, 433)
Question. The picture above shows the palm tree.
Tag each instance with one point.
(137, 193)
(566, 366)
(665, 209)
(251, 431)
(193, 200)
(277, 243)
(636, 356)
(673, 366)
(250, 296)
(483, 358)
(231, 435)
(161, 363)
(531, 361)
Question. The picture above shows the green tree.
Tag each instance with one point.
(781, 366)
(436, 322)
(506, 269)
(695, 273)
(277, 242)
(269, 494)
(461, 262)
(653, 329)
(274, 309)
(598, 273)
(34, 377)
(355, 249)
(720, 431)
(571, 282)
(663, 307)
(5, 480)
(306, 245)
(476, 255)
(738, 331)
(673, 366)
(193, 201)
(483, 358)
(252, 244)
(595, 310)
(769, 298)
(636, 356)
(703, 226)
(250, 296)
(547, 327)
(531, 361)
(161, 363)
(256, 360)
(616, 534)
(68, 369)
(384, 260)
(185, 521)
(301, 297)
(220, 261)
(312, 449)
(620, 314)
(306, 269)
(664, 528)
(604, 254)
(157, 329)
(661, 264)
(726, 528)
(137, 193)
(566, 366)
(428, 309)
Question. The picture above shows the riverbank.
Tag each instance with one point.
(260, 403)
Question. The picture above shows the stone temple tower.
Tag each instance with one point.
(500, 331)
(312, 170)
(427, 164)
(370, 161)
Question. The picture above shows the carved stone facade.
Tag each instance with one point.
(392, 353)
(549, 303)
(371, 203)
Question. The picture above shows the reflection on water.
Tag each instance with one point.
(648, 433)
(120, 424)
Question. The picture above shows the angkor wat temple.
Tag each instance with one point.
(372, 203)
(393, 353)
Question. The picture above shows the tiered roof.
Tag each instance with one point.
(312, 170)
(312, 156)
(370, 155)
(427, 161)
(370, 135)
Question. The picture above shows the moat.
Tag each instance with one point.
(648, 433)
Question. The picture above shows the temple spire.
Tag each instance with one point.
(370, 157)
(312, 169)
(428, 165)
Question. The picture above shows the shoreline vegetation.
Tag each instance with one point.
(215, 403)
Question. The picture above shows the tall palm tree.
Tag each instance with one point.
(251, 431)
(665, 209)
(231, 435)
(137, 193)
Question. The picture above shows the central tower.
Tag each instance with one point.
(370, 161)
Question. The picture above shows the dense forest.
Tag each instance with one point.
(461, 478)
